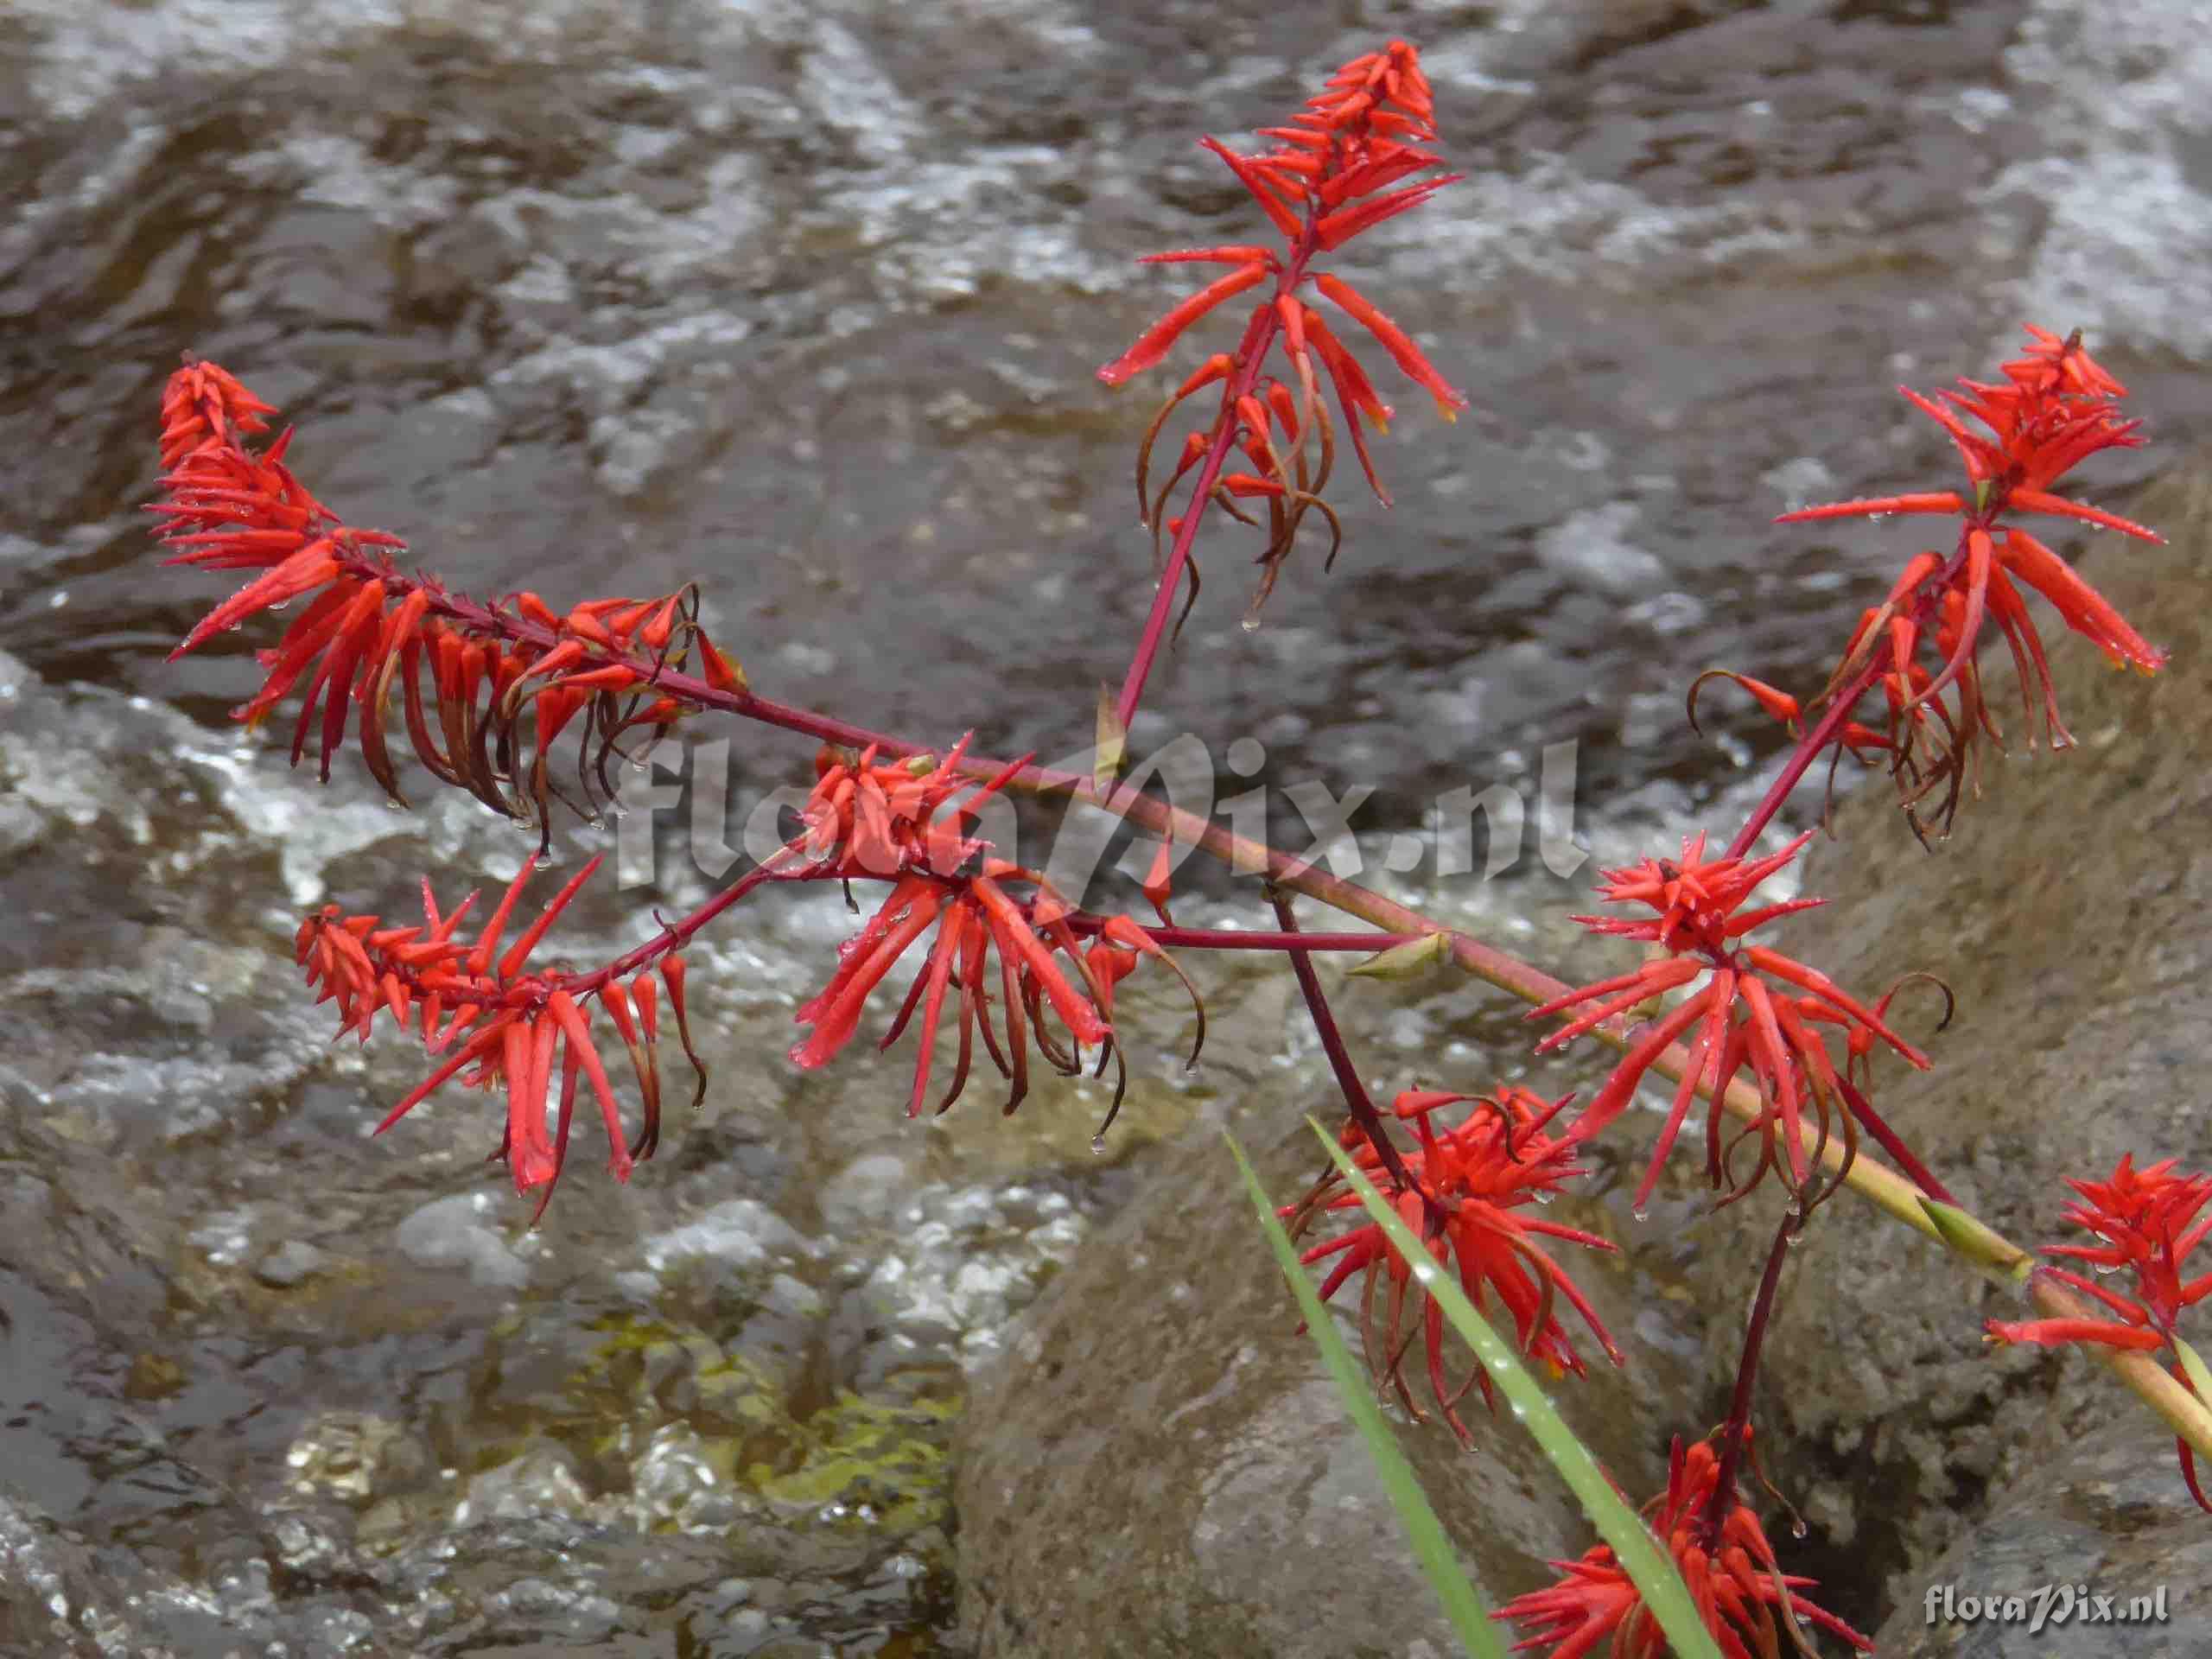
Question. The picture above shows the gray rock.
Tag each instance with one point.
(290, 1263)
(2067, 913)
(1159, 1465)
(2092, 1540)
(458, 1231)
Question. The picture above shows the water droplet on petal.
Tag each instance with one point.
(1641, 1214)
(1098, 1143)
(1798, 1529)
(1251, 625)
(1544, 1195)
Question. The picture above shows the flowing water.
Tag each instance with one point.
(805, 302)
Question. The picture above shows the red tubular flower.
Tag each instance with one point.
(510, 1024)
(1329, 179)
(467, 674)
(2146, 1221)
(1480, 1173)
(2056, 408)
(1749, 1606)
(899, 821)
(1735, 1019)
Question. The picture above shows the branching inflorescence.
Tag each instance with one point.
(488, 691)
(487, 694)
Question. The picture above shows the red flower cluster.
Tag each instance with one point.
(881, 821)
(467, 672)
(510, 1024)
(1479, 1173)
(1329, 179)
(2148, 1221)
(1740, 1021)
(2055, 408)
(1747, 1603)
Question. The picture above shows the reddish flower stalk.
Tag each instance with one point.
(1365, 1118)
(1735, 1020)
(1478, 1174)
(2056, 408)
(1748, 1603)
(1735, 1435)
(1329, 179)
(2147, 1222)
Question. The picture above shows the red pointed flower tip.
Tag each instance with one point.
(2056, 408)
(203, 404)
(467, 674)
(1482, 1171)
(1749, 1606)
(505, 1026)
(1757, 1010)
(2146, 1222)
(900, 822)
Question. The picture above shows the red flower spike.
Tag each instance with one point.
(1341, 167)
(2146, 1222)
(1481, 1171)
(907, 823)
(411, 974)
(2056, 408)
(1733, 1020)
(227, 508)
(1749, 1606)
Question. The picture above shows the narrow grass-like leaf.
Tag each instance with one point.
(1633, 1546)
(1463, 1604)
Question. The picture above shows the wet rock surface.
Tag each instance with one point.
(804, 302)
(2084, 1553)
(2066, 913)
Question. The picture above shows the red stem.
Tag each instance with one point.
(1735, 1434)
(1357, 1099)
